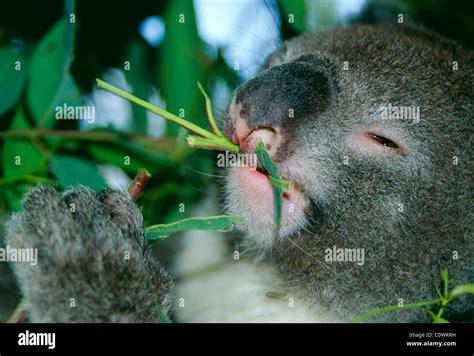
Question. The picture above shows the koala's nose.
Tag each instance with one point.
(271, 105)
(248, 138)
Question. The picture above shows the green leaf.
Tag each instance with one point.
(266, 161)
(445, 280)
(440, 320)
(11, 79)
(21, 158)
(278, 202)
(438, 292)
(437, 319)
(49, 71)
(71, 96)
(275, 180)
(20, 155)
(278, 182)
(463, 289)
(137, 78)
(212, 223)
(131, 156)
(178, 67)
(294, 13)
(71, 170)
(163, 317)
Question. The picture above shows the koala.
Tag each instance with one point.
(371, 124)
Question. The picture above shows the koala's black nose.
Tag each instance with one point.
(277, 100)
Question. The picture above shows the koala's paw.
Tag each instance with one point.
(93, 260)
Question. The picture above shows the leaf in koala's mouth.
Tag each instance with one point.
(274, 177)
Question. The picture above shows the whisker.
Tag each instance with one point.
(310, 255)
(263, 41)
(278, 26)
(204, 173)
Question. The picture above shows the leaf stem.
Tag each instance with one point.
(164, 143)
(395, 307)
(215, 141)
(155, 109)
(210, 115)
(210, 144)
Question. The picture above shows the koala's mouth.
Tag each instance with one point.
(261, 169)
(286, 195)
(252, 195)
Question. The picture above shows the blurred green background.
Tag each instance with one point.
(51, 52)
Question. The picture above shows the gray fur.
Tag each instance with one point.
(353, 205)
(83, 255)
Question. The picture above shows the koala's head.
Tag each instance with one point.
(373, 126)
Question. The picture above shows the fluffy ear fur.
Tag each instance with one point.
(93, 262)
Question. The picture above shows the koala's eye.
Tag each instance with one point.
(383, 141)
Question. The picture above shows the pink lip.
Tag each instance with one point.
(257, 185)
(255, 178)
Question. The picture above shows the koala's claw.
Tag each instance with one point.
(93, 262)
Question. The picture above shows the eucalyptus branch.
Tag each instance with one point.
(209, 144)
(215, 141)
(135, 189)
(163, 143)
(443, 300)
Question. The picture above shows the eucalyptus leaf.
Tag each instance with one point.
(71, 171)
(12, 77)
(163, 318)
(266, 161)
(440, 320)
(137, 77)
(20, 155)
(178, 68)
(21, 158)
(212, 223)
(275, 180)
(463, 289)
(49, 70)
(445, 281)
(295, 13)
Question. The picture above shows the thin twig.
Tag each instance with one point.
(19, 314)
(163, 143)
(135, 189)
(395, 307)
(210, 115)
(213, 140)
(155, 109)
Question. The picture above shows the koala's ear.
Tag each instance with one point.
(275, 58)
